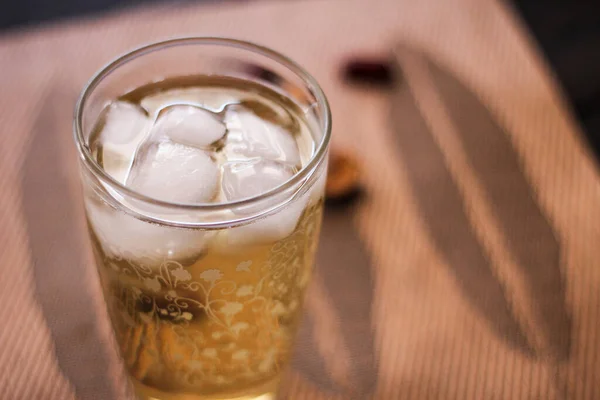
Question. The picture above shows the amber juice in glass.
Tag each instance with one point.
(203, 188)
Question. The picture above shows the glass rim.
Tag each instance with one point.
(305, 172)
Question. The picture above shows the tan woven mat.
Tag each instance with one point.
(469, 270)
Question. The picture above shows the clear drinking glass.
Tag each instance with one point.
(200, 308)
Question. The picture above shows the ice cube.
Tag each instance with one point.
(124, 126)
(249, 136)
(173, 172)
(253, 177)
(247, 179)
(250, 178)
(189, 125)
(274, 227)
(123, 123)
(123, 235)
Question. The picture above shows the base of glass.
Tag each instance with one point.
(266, 391)
(266, 396)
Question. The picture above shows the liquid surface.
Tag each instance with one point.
(204, 314)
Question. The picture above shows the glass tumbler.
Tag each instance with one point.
(204, 299)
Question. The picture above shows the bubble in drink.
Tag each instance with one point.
(202, 313)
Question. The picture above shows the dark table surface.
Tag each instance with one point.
(568, 33)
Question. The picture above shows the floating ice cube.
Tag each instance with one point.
(123, 127)
(122, 235)
(123, 123)
(253, 177)
(189, 125)
(250, 136)
(173, 172)
(265, 230)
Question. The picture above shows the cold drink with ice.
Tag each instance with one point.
(203, 241)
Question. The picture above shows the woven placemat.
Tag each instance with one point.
(467, 271)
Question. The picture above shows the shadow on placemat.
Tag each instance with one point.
(57, 248)
(344, 271)
(530, 240)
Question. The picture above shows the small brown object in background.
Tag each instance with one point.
(368, 71)
(342, 177)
